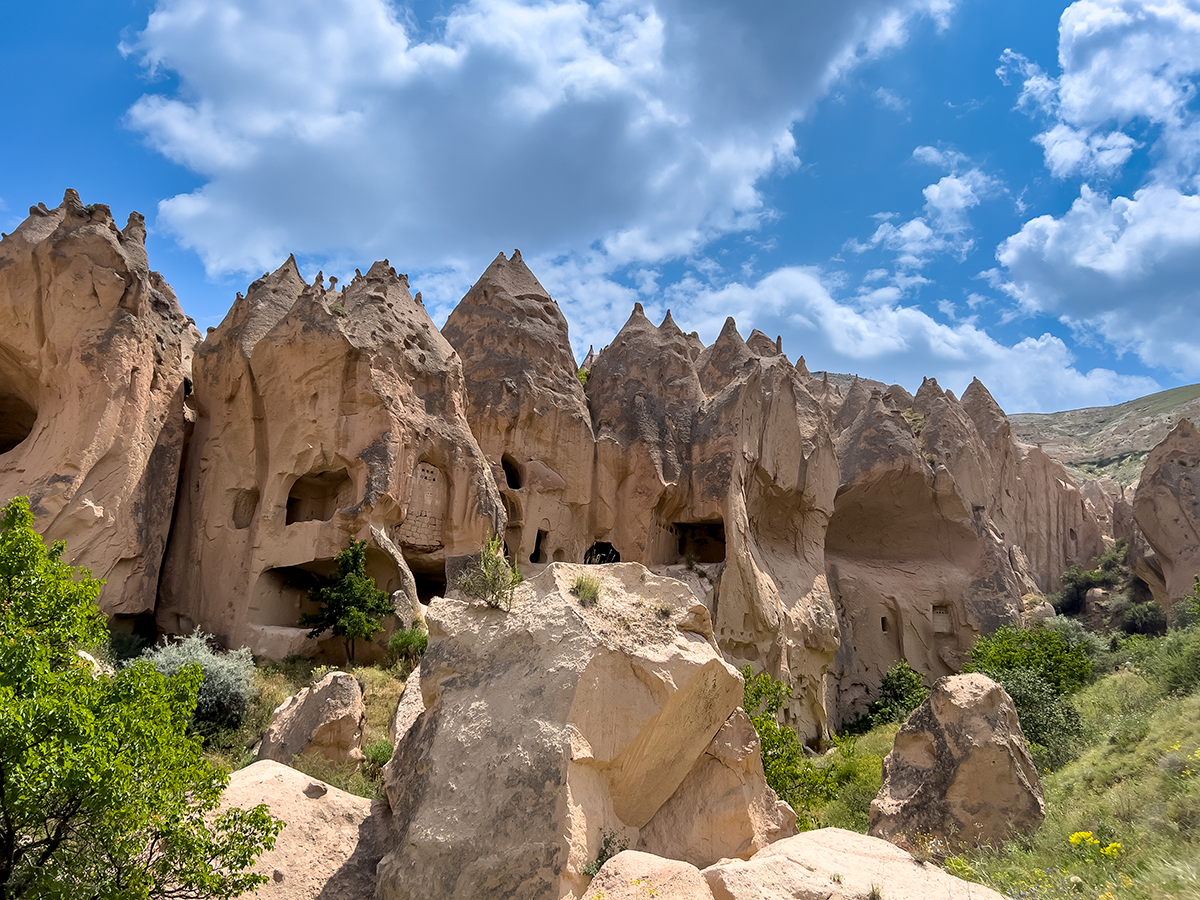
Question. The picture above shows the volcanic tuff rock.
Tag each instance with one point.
(326, 718)
(331, 841)
(550, 724)
(321, 415)
(1167, 510)
(633, 875)
(960, 770)
(94, 354)
(527, 409)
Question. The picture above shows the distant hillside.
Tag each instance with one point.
(1109, 440)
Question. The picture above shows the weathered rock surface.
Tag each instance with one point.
(550, 724)
(527, 409)
(632, 875)
(1167, 510)
(326, 718)
(94, 354)
(331, 842)
(832, 864)
(410, 705)
(960, 770)
(941, 525)
(322, 415)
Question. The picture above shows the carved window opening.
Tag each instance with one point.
(702, 542)
(422, 526)
(600, 553)
(539, 553)
(315, 497)
(942, 624)
(16, 420)
(512, 472)
(883, 624)
(245, 503)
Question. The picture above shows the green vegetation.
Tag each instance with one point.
(903, 690)
(610, 846)
(491, 579)
(103, 792)
(406, 647)
(582, 375)
(587, 589)
(351, 605)
(1077, 581)
(1041, 651)
(228, 685)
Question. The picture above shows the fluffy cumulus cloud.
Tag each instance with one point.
(895, 342)
(638, 129)
(1125, 267)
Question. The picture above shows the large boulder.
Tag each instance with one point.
(832, 864)
(1167, 509)
(323, 414)
(326, 718)
(551, 725)
(633, 875)
(331, 841)
(960, 770)
(95, 355)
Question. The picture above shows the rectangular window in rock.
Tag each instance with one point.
(422, 527)
(941, 620)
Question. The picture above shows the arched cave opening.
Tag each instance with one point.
(512, 472)
(600, 553)
(315, 497)
(280, 596)
(430, 576)
(539, 552)
(16, 420)
(702, 542)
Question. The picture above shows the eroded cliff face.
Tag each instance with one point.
(1167, 512)
(322, 415)
(94, 357)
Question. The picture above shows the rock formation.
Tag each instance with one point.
(94, 358)
(326, 718)
(331, 841)
(633, 875)
(527, 410)
(941, 524)
(960, 770)
(551, 724)
(321, 415)
(1167, 510)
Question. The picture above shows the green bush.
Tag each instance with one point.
(610, 846)
(1051, 723)
(1132, 617)
(406, 646)
(491, 578)
(228, 686)
(902, 690)
(1172, 663)
(1041, 650)
(587, 589)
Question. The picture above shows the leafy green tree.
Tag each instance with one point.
(103, 794)
(1040, 650)
(351, 605)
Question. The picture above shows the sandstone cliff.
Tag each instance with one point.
(321, 415)
(1167, 511)
(94, 358)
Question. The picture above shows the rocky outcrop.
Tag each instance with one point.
(527, 409)
(836, 865)
(94, 359)
(326, 718)
(331, 841)
(960, 770)
(1167, 511)
(552, 724)
(322, 415)
(632, 875)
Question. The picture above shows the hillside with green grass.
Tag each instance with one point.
(1108, 440)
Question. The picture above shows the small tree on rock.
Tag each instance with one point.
(352, 607)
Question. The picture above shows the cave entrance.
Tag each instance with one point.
(512, 472)
(280, 595)
(315, 497)
(430, 576)
(702, 542)
(600, 553)
(539, 552)
(16, 420)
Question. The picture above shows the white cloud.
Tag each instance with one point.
(890, 100)
(1124, 267)
(639, 127)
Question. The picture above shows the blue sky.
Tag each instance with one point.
(899, 188)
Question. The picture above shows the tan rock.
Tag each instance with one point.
(331, 842)
(322, 415)
(549, 725)
(326, 718)
(960, 770)
(1168, 512)
(410, 705)
(94, 354)
(832, 864)
(632, 875)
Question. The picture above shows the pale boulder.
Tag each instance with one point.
(832, 864)
(326, 718)
(632, 875)
(960, 770)
(331, 841)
